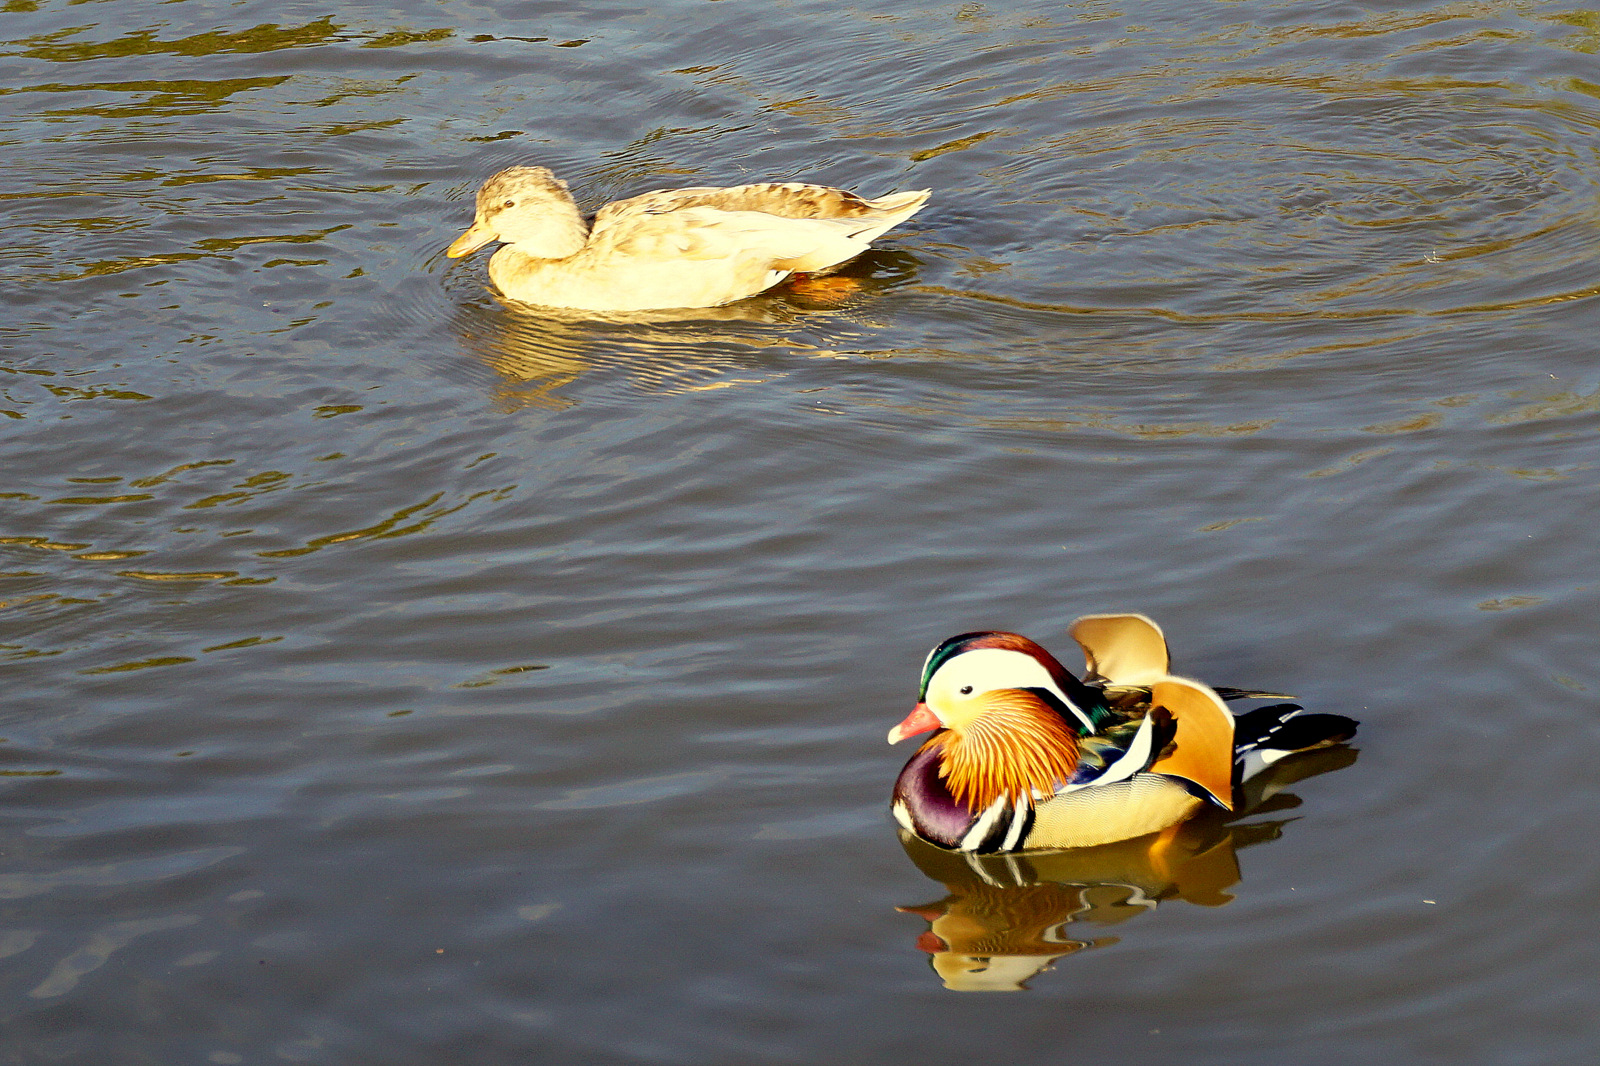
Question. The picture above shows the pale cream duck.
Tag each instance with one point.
(701, 247)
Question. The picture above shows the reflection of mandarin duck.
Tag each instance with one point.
(1009, 916)
(1026, 756)
(987, 939)
(699, 247)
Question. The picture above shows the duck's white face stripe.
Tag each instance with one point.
(987, 669)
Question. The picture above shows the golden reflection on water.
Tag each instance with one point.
(1007, 918)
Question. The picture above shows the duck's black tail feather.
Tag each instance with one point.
(1266, 734)
(1231, 694)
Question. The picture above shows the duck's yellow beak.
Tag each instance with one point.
(479, 235)
(920, 720)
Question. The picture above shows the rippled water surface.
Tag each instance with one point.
(392, 675)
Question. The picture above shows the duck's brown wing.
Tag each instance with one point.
(778, 228)
(786, 199)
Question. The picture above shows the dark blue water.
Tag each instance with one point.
(393, 676)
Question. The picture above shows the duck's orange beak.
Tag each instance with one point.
(920, 720)
(480, 234)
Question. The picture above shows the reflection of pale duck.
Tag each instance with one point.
(1026, 756)
(1009, 916)
(700, 247)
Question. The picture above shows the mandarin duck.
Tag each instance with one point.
(701, 247)
(1025, 756)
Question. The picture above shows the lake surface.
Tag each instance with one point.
(392, 675)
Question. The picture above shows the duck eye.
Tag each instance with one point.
(966, 690)
(509, 203)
